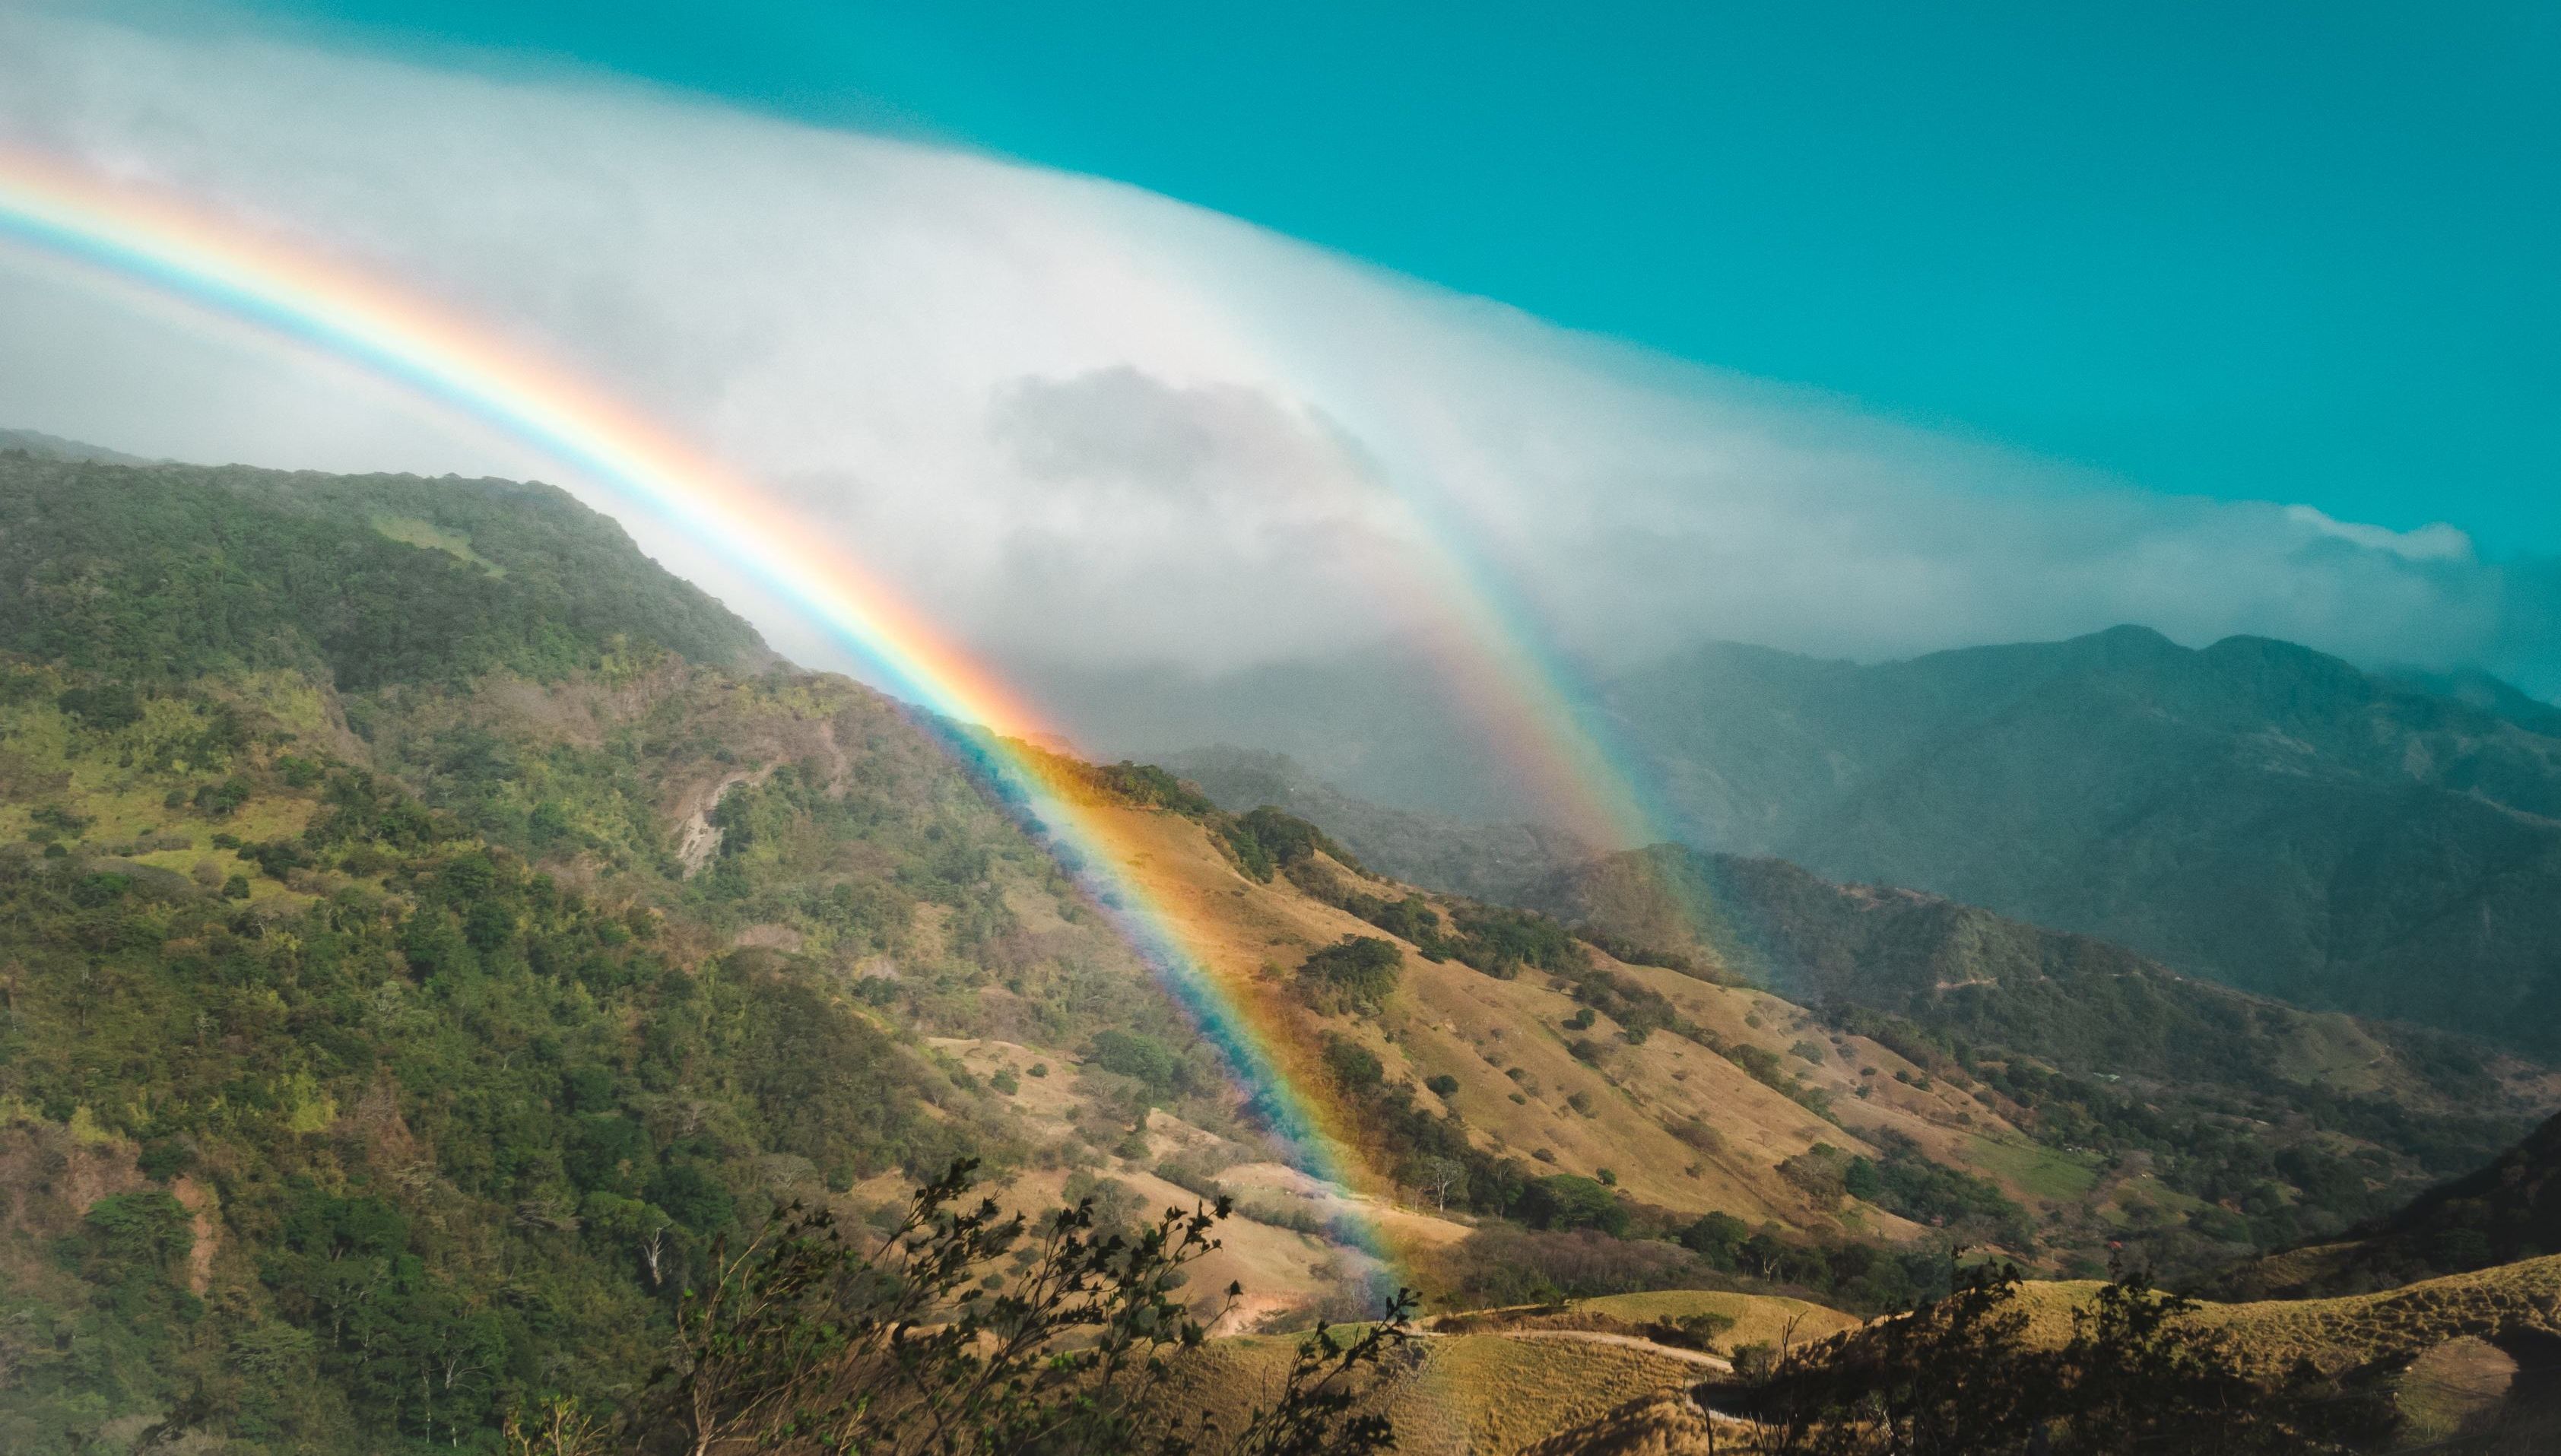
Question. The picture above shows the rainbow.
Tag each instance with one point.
(234, 275)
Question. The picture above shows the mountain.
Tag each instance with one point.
(429, 933)
(167, 572)
(2235, 1100)
(55, 447)
(2254, 812)
(429, 930)
(2229, 1118)
(2501, 1213)
(1497, 861)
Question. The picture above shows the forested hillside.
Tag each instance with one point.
(2496, 1215)
(395, 1012)
(163, 573)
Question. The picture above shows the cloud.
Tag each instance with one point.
(1079, 423)
(2435, 542)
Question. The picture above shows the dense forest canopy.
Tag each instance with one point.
(166, 572)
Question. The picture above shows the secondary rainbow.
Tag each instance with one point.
(235, 274)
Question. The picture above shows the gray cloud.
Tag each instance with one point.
(1079, 423)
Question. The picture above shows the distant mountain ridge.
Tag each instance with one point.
(1497, 861)
(54, 448)
(2254, 811)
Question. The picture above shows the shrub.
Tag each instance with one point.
(1359, 971)
(106, 706)
(1567, 1201)
(1354, 1065)
(1139, 1057)
(1502, 1266)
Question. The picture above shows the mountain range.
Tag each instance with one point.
(2253, 812)
(431, 933)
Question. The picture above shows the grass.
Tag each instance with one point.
(2042, 1173)
(428, 536)
(2337, 1334)
(1757, 1318)
(1459, 1393)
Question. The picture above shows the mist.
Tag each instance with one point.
(1102, 438)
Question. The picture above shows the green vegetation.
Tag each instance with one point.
(2497, 1214)
(1357, 973)
(1564, 1201)
(444, 1074)
(1907, 1183)
(165, 573)
(335, 1122)
(1267, 839)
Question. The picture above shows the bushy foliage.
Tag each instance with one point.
(168, 572)
(1357, 972)
(1564, 1201)
(1142, 1057)
(1268, 840)
(1498, 1266)
(963, 1330)
(446, 1075)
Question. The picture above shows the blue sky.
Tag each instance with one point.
(2302, 253)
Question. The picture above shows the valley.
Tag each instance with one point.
(416, 975)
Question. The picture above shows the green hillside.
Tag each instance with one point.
(166, 572)
(377, 1055)
(2496, 1215)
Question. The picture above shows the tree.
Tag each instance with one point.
(805, 1342)
(1436, 1176)
(1566, 1201)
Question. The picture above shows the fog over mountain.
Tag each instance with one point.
(1097, 433)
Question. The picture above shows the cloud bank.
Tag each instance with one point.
(1088, 427)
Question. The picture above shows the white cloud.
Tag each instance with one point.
(2433, 542)
(1077, 423)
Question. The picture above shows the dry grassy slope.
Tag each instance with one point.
(1459, 1395)
(1758, 1319)
(2444, 1337)
(1447, 1019)
(1280, 1269)
(2511, 1301)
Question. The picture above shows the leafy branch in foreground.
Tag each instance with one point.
(804, 1342)
(1314, 1413)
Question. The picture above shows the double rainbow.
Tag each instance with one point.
(186, 255)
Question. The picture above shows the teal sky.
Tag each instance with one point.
(2294, 253)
